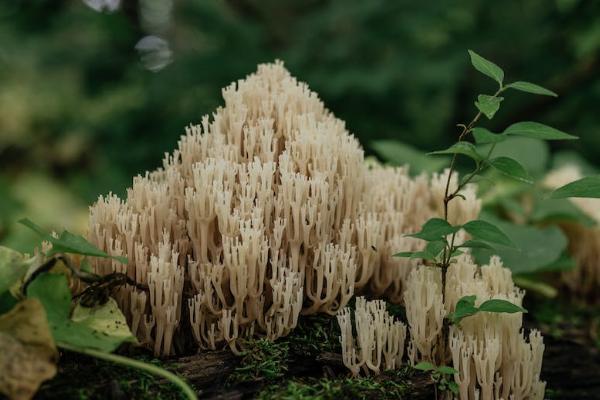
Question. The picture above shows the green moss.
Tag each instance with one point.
(315, 334)
(391, 385)
(262, 359)
(268, 361)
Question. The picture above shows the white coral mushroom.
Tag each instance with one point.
(264, 208)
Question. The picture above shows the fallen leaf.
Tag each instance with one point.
(28, 354)
(94, 329)
(107, 319)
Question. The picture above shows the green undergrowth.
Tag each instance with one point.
(268, 361)
(306, 364)
(315, 334)
(261, 360)
(390, 385)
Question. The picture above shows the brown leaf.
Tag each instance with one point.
(28, 354)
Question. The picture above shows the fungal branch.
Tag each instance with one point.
(444, 240)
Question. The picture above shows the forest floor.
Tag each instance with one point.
(307, 365)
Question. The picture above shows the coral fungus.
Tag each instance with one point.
(493, 357)
(265, 210)
(379, 338)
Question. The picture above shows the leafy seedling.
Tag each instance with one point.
(442, 377)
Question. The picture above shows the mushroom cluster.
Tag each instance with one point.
(379, 342)
(493, 357)
(265, 210)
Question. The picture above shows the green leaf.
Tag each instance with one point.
(53, 292)
(487, 67)
(538, 247)
(435, 248)
(453, 386)
(531, 88)
(106, 319)
(462, 147)
(7, 302)
(431, 251)
(511, 168)
(435, 229)
(13, 265)
(488, 105)
(464, 308)
(444, 369)
(424, 366)
(37, 229)
(560, 210)
(484, 136)
(564, 263)
(536, 130)
(85, 266)
(500, 306)
(456, 252)
(476, 244)
(77, 244)
(398, 153)
(584, 187)
(487, 232)
(521, 148)
(68, 242)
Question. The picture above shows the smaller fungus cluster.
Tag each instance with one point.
(493, 357)
(379, 342)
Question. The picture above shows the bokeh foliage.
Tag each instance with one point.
(80, 113)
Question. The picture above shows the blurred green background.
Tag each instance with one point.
(93, 92)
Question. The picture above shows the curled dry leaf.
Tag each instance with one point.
(27, 352)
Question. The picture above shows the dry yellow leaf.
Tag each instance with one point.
(28, 354)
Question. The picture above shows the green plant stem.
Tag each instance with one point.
(446, 258)
(140, 365)
(450, 196)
